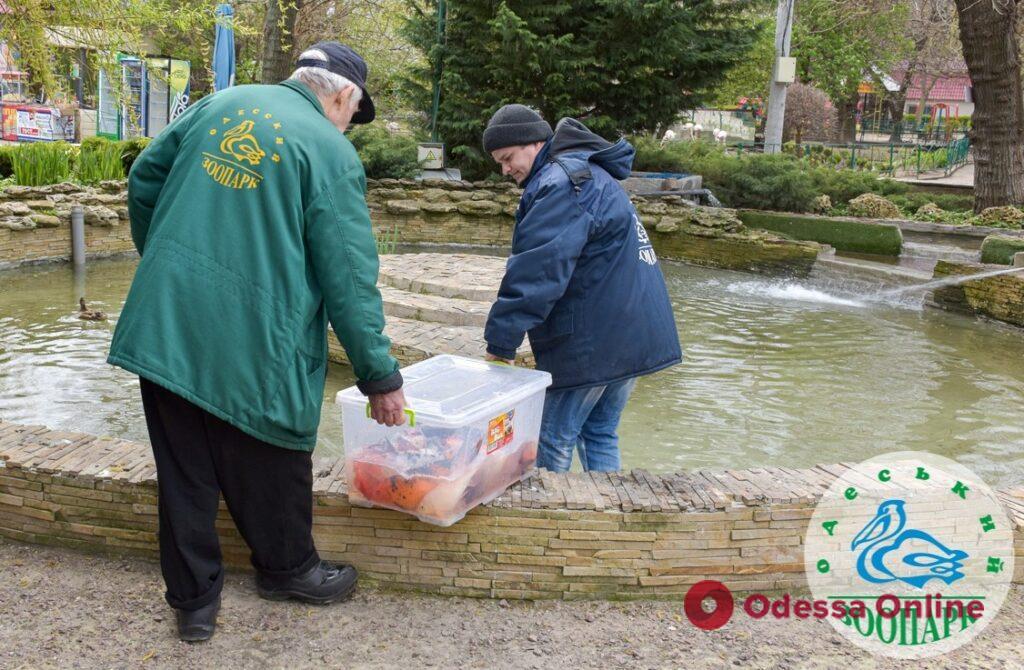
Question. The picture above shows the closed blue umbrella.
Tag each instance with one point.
(224, 49)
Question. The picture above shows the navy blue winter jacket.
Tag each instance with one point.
(582, 279)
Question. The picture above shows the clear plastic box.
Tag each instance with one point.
(471, 432)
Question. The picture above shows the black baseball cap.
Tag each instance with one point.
(342, 60)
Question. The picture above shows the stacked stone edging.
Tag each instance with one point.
(1000, 297)
(604, 536)
(35, 221)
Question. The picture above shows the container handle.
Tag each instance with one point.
(408, 412)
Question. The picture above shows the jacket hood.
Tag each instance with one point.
(571, 136)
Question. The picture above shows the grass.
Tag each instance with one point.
(99, 161)
(42, 163)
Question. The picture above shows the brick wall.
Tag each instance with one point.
(1000, 297)
(606, 536)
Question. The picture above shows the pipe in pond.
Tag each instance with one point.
(78, 235)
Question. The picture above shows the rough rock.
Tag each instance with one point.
(114, 185)
(484, 194)
(17, 223)
(479, 208)
(874, 206)
(435, 195)
(46, 220)
(439, 207)
(402, 207)
(15, 208)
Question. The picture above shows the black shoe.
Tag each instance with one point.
(326, 583)
(198, 625)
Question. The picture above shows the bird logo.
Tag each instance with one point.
(234, 166)
(891, 552)
(240, 143)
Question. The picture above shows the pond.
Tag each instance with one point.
(775, 374)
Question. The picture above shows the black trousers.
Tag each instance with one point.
(268, 490)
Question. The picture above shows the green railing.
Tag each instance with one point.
(957, 153)
(889, 159)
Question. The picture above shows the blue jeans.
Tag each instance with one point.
(585, 420)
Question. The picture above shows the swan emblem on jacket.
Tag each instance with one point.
(891, 553)
(241, 143)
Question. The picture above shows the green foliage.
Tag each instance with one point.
(42, 163)
(838, 43)
(385, 154)
(100, 160)
(776, 182)
(130, 150)
(618, 65)
(7, 160)
(844, 235)
(948, 202)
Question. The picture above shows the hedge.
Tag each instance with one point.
(843, 234)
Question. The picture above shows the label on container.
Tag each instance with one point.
(499, 431)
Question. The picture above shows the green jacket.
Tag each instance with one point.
(249, 213)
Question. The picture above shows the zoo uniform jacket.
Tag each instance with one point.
(583, 279)
(249, 213)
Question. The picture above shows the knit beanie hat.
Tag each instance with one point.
(514, 125)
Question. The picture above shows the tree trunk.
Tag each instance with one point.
(279, 40)
(899, 101)
(846, 111)
(987, 30)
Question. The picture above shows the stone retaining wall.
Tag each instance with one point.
(35, 223)
(606, 536)
(1000, 297)
(448, 212)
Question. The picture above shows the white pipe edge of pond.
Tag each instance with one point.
(78, 235)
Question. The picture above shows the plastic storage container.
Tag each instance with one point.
(471, 432)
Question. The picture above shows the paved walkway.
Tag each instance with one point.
(963, 177)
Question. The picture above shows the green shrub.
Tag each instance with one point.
(100, 160)
(912, 201)
(383, 154)
(783, 182)
(130, 150)
(7, 161)
(42, 163)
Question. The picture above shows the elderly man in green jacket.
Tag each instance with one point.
(249, 213)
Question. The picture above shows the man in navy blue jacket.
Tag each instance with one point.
(583, 281)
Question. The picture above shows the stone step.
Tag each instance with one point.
(944, 251)
(464, 276)
(845, 268)
(434, 308)
(413, 341)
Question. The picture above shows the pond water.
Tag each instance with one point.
(775, 374)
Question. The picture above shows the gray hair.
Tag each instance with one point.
(324, 82)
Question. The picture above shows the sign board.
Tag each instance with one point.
(785, 70)
(430, 156)
(43, 124)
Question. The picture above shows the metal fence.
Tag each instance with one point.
(890, 159)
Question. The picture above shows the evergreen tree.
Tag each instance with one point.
(621, 66)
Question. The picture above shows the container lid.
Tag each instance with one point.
(452, 389)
